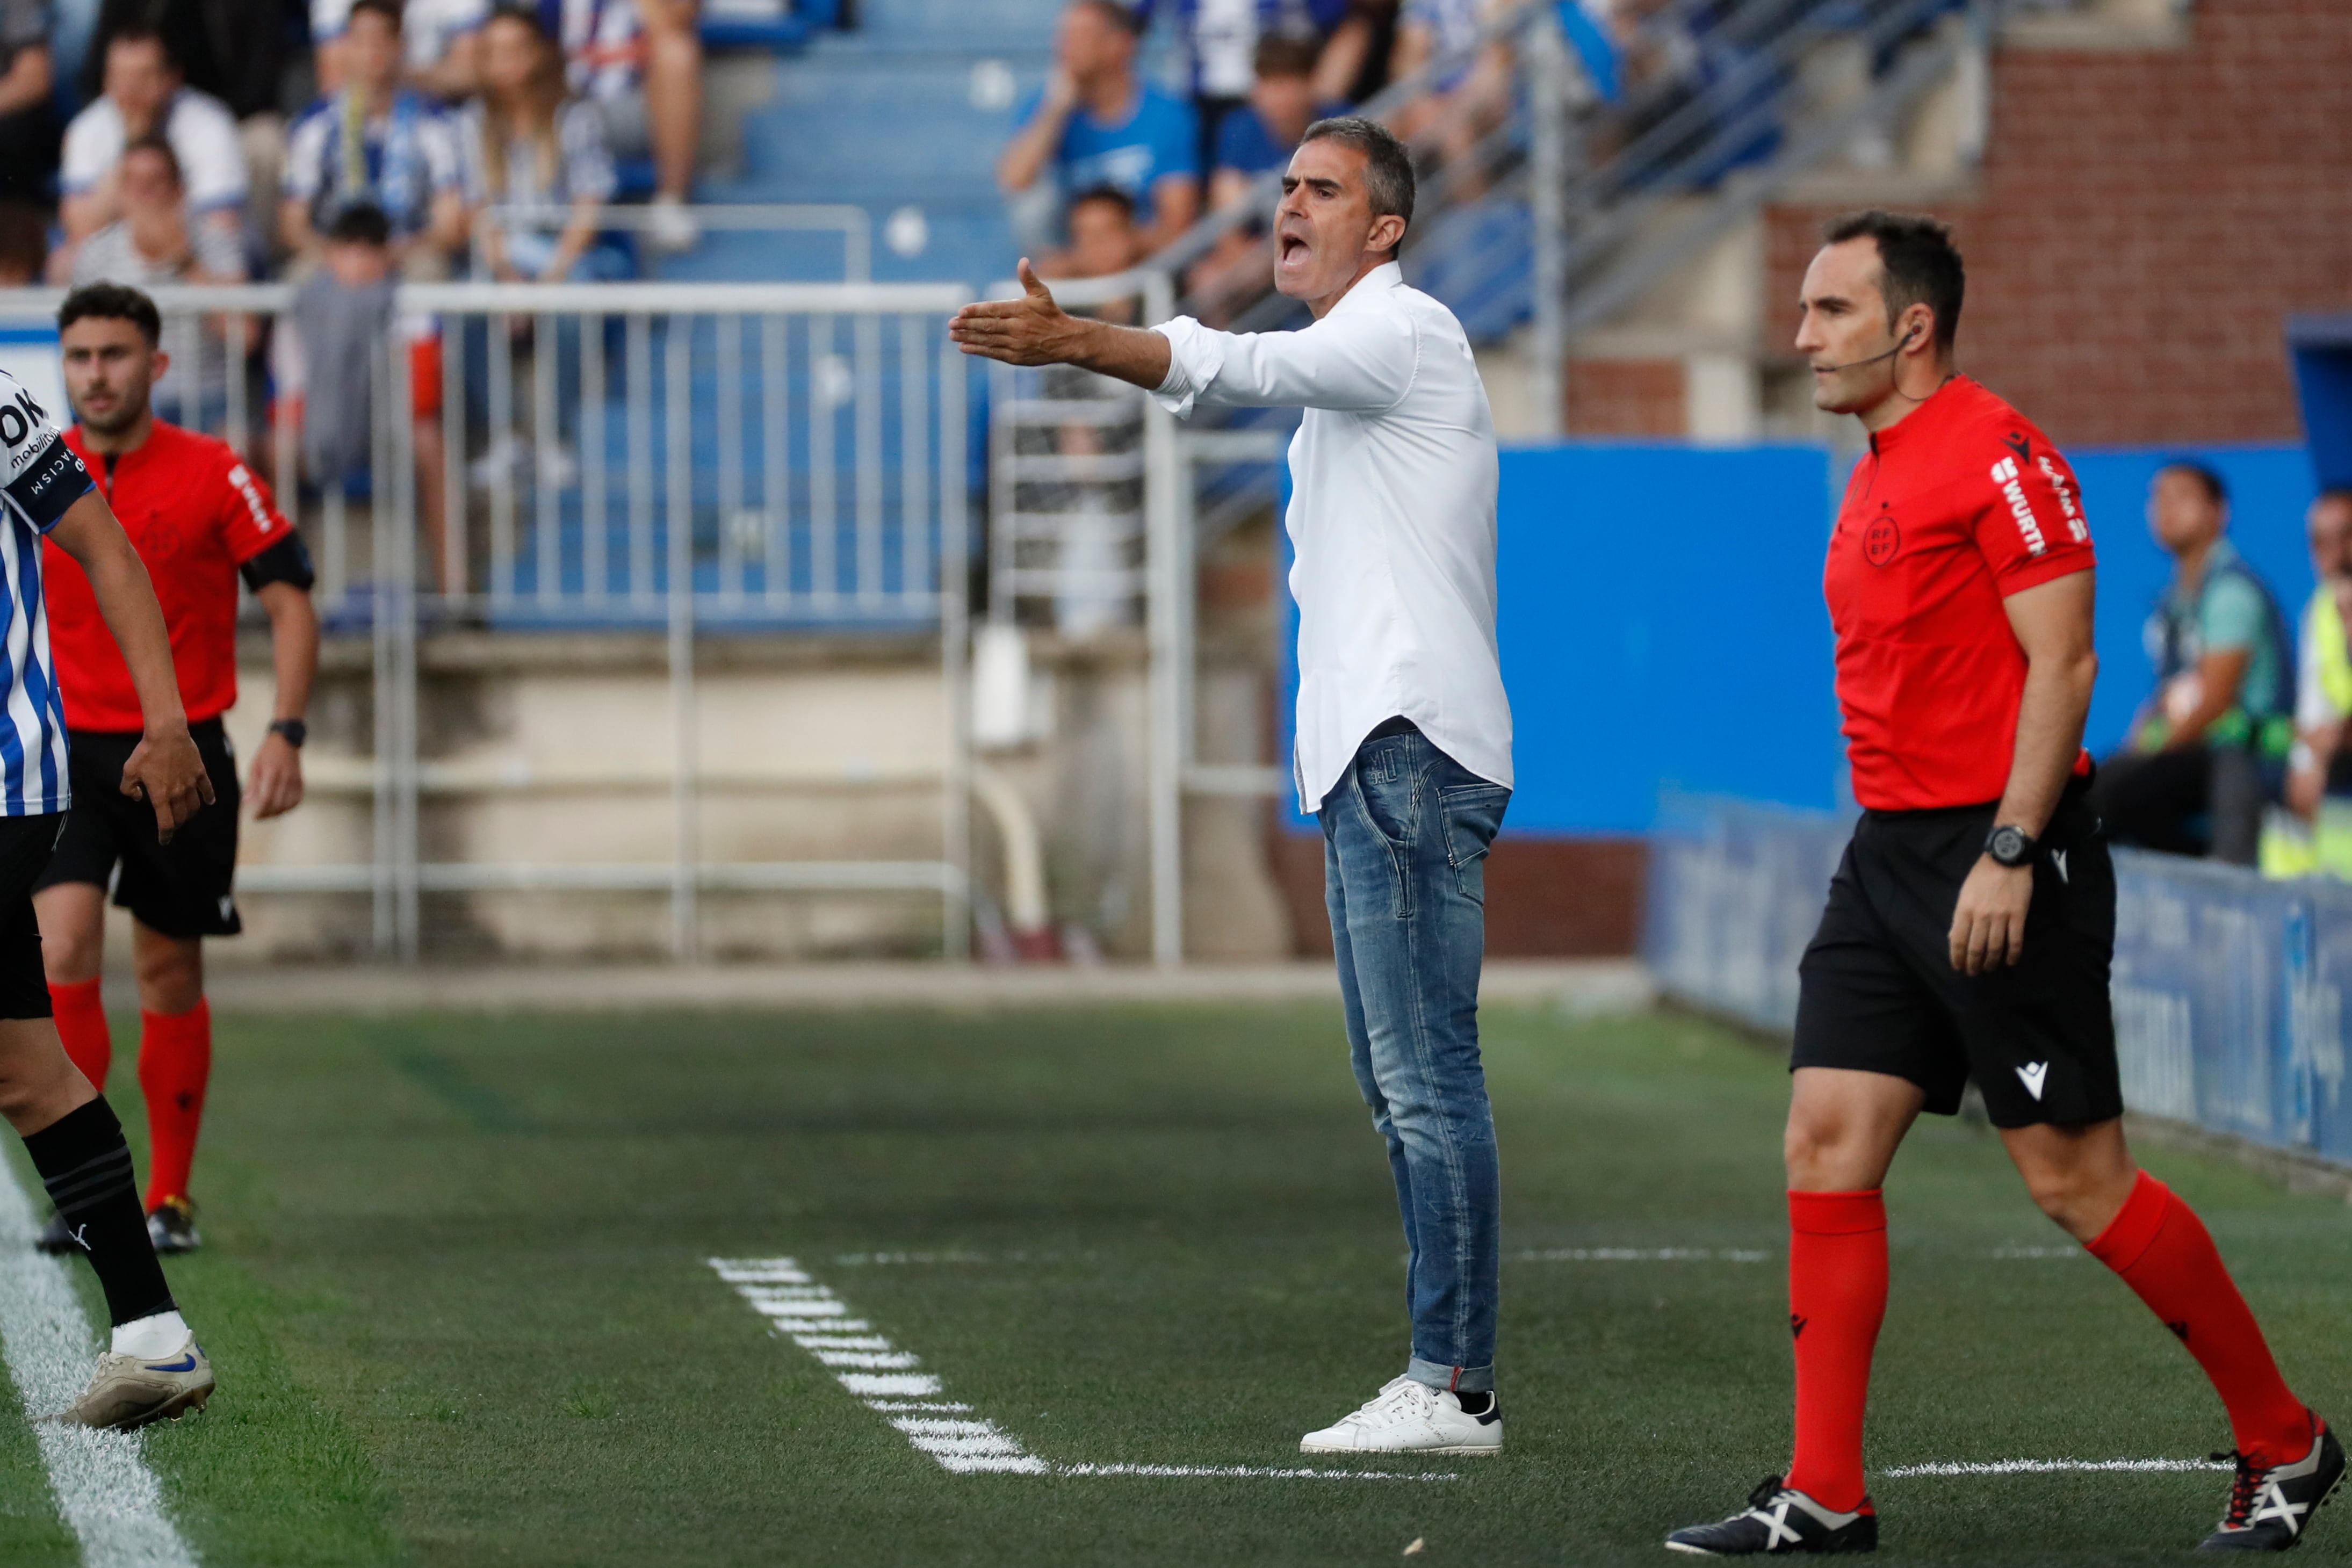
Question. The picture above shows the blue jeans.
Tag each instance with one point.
(1405, 835)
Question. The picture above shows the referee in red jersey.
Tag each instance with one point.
(1971, 924)
(199, 518)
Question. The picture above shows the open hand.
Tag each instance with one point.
(1030, 330)
(1989, 925)
(167, 773)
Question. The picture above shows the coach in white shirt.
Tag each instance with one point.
(1404, 737)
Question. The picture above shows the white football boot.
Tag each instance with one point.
(1410, 1417)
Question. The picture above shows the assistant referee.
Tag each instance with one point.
(199, 520)
(1971, 926)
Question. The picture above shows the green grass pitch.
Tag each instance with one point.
(457, 1293)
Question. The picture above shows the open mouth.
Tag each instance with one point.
(1294, 248)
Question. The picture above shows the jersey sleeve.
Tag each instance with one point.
(42, 476)
(2029, 521)
(250, 522)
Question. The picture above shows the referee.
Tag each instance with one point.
(1404, 739)
(1971, 924)
(200, 519)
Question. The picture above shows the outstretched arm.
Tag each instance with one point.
(1034, 330)
(165, 770)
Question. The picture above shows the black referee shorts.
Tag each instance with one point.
(1878, 993)
(184, 888)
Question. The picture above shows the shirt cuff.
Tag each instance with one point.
(1195, 355)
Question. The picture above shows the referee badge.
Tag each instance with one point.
(1880, 541)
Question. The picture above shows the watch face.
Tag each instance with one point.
(2008, 845)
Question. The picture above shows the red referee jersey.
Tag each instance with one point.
(196, 514)
(1953, 509)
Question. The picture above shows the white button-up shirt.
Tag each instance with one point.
(1391, 520)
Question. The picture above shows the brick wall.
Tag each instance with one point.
(1626, 397)
(2148, 219)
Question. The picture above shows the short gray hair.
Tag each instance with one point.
(1388, 167)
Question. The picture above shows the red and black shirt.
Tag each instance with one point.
(196, 514)
(1955, 508)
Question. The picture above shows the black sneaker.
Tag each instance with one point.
(1781, 1519)
(56, 1240)
(2269, 1508)
(173, 1225)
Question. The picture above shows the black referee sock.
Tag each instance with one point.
(85, 1165)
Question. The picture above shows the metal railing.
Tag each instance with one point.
(854, 224)
(732, 455)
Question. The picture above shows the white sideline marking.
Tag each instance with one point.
(812, 1317)
(1639, 1255)
(2013, 1252)
(2048, 1467)
(108, 1497)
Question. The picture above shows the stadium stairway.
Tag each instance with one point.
(903, 115)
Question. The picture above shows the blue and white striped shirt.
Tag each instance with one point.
(40, 478)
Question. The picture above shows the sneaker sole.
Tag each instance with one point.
(172, 1409)
(1456, 1448)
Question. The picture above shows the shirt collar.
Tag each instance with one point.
(1940, 406)
(1370, 287)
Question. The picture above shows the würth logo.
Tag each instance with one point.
(2005, 474)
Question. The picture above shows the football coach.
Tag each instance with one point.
(1404, 737)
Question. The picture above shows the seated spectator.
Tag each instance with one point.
(640, 63)
(536, 159)
(153, 242)
(1097, 123)
(28, 119)
(1104, 238)
(1263, 135)
(144, 96)
(24, 244)
(376, 143)
(441, 45)
(1468, 98)
(1220, 41)
(2321, 765)
(1251, 144)
(234, 51)
(2211, 743)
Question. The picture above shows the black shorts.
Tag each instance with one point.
(1877, 992)
(184, 888)
(24, 846)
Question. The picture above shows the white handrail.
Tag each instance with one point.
(530, 298)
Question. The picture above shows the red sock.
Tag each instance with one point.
(1837, 1298)
(2164, 1254)
(175, 1058)
(81, 1025)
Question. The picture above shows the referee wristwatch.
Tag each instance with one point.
(295, 731)
(2011, 846)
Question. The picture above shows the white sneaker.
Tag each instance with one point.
(670, 225)
(1409, 1417)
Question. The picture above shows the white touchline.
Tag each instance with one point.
(885, 1379)
(2048, 1467)
(108, 1497)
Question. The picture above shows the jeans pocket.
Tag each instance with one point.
(1473, 815)
(1390, 791)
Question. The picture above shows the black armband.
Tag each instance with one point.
(285, 561)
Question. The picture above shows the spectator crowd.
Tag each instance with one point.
(160, 142)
